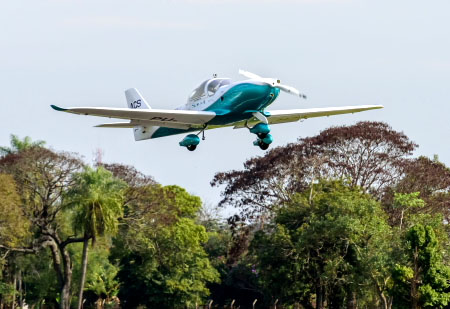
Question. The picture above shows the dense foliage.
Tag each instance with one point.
(347, 218)
(160, 255)
(322, 245)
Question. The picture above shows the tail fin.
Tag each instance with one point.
(136, 101)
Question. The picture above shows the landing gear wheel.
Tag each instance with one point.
(262, 135)
(263, 145)
(191, 147)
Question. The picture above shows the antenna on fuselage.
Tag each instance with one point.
(214, 75)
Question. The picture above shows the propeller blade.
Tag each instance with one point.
(274, 83)
(249, 74)
(291, 90)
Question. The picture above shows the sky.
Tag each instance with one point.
(339, 52)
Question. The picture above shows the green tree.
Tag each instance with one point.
(7, 293)
(14, 231)
(96, 199)
(14, 226)
(100, 286)
(43, 177)
(40, 279)
(432, 179)
(101, 278)
(406, 202)
(160, 250)
(18, 145)
(323, 246)
(424, 277)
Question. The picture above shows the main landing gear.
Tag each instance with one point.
(264, 137)
(192, 140)
(261, 130)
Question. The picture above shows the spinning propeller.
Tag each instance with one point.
(274, 83)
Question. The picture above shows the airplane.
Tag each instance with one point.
(215, 103)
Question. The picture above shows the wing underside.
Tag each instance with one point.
(188, 120)
(176, 119)
(293, 115)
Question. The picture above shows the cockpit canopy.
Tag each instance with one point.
(208, 88)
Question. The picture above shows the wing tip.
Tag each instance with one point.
(378, 106)
(57, 108)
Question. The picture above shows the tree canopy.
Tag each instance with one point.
(346, 218)
(370, 154)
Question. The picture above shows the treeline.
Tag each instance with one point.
(344, 219)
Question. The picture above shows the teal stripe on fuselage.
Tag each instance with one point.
(231, 107)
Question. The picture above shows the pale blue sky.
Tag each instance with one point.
(339, 52)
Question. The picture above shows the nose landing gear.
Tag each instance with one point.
(261, 144)
(265, 142)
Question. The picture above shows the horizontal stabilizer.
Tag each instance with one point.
(133, 124)
(116, 125)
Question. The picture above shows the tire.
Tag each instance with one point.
(262, 135)
(191, 147)
(263, 146)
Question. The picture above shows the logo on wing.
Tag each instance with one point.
(163, 119)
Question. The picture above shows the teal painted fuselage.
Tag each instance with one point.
(236, 104)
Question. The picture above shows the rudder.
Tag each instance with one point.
(136, 101)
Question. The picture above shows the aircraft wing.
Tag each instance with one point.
(178, 119)
(292, 115)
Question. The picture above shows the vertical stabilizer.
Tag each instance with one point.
(136, 101)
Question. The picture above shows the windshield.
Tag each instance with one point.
(215, 84)
(198, 92)
(210, 86)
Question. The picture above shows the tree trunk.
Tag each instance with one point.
(20, 290)
(84, 261)
(319, 297)
(401, 219)
(98, 303)
(351, 302)
(13, 305)
(385, 302)
(62, 264)
(414, 294)
(65, 291)
(55, 250)
(64, 272)
(65, 297)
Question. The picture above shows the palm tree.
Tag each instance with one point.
(97, 199)
(18, 145)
